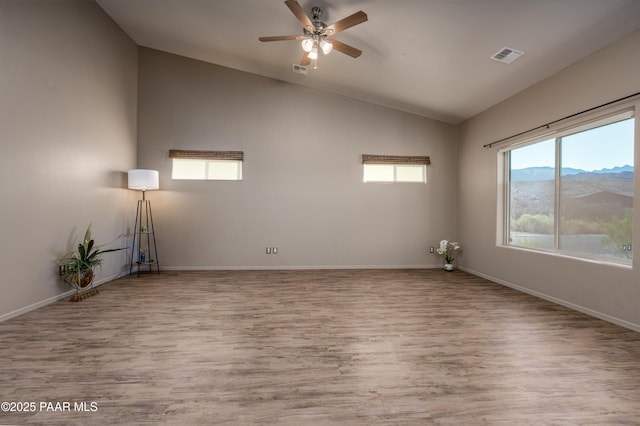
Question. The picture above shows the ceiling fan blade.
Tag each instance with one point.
(281, 38)
(348, 22)
(298, 11)
(306, 60)
(345, 48)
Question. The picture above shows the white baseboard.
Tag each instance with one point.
(566, 304)
(55, 298)
(292, 268)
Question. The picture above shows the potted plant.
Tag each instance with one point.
(447, 250)
(79, 265)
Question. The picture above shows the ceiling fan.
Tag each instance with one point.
(317, 35)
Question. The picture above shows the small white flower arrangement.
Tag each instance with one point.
(448, 249)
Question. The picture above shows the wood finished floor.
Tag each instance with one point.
(318, 347)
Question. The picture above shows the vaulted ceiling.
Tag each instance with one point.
(428, 57)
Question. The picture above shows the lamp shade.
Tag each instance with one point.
(143, 179)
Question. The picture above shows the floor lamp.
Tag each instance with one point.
(143, 231)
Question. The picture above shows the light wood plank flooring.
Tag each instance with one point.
(318, 347)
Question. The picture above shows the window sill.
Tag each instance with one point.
(596, 261)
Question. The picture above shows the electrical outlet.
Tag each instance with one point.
(274, 250)
(432, 249)
(267, 250)
(61, 269)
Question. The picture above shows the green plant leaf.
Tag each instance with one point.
(88, 256)
(89, 246)
(110, 250)
(87, 234)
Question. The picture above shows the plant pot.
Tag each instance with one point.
(86, 279)
(449, 267)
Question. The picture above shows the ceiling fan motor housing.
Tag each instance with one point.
(316, 14)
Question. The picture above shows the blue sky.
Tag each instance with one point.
(600, 148)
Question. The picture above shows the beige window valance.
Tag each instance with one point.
(395, 159)
(206, 155)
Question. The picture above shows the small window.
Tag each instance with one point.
(206, 165)
(206, 169)
(395, 173)
(387, 168)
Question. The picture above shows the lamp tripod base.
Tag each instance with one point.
(144, 250)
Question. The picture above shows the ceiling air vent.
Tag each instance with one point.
(300, 69)
(507, 55)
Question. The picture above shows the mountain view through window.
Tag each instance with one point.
(573, 193)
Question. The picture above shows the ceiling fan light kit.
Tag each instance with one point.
(316, 33)
(326, 46)
(307, 44)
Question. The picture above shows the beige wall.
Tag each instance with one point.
(68, 85)
(611, 292)
(302, 189)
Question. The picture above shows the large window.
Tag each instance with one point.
(572, 192)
